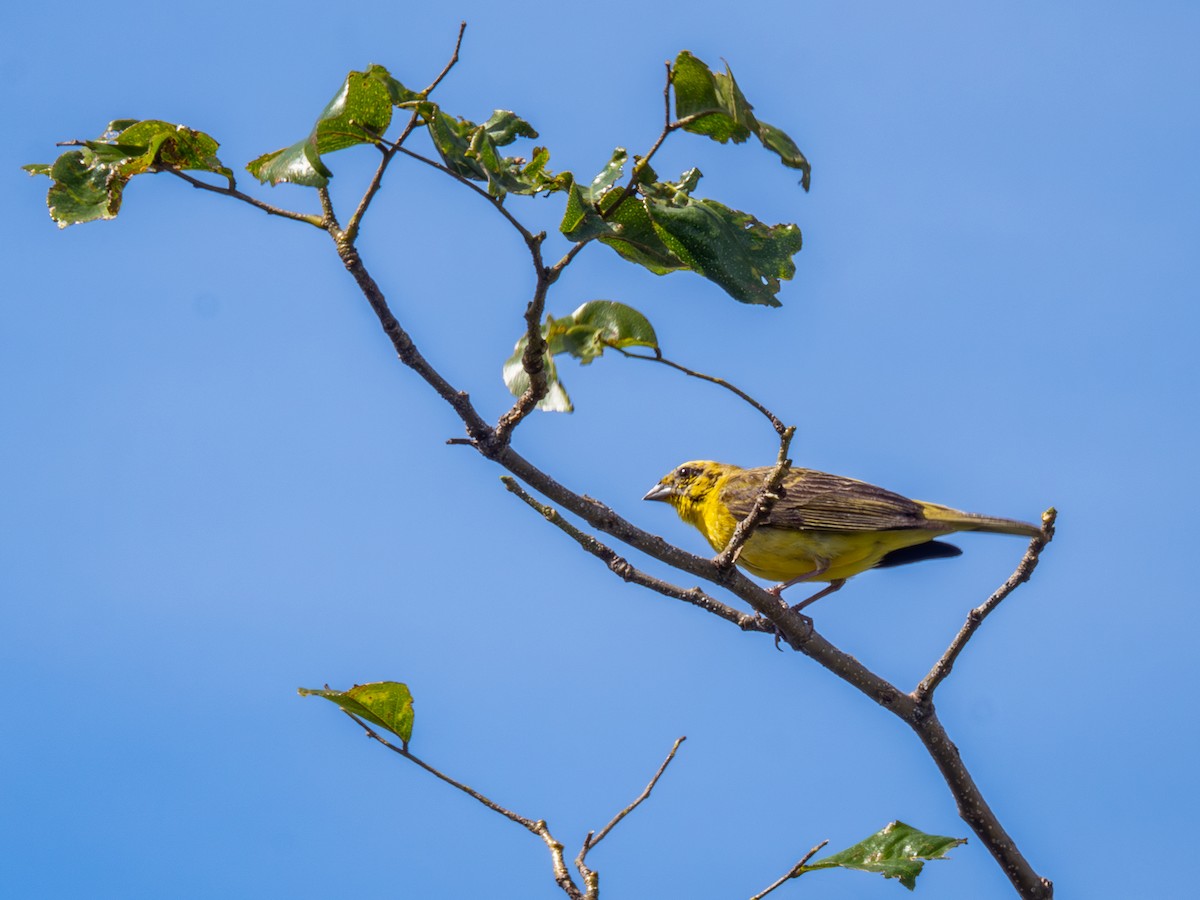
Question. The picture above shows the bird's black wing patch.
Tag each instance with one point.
(918, 552)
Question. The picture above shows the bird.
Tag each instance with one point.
(822, 527)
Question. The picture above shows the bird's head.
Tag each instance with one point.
(685, 487)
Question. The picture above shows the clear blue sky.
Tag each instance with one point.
(219, 485)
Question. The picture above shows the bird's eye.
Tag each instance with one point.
(687, 473)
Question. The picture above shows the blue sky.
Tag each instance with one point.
(219, 485)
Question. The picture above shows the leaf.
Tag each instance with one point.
(598, 324)
(89, 183)
(388, 704)
(517, 379)
(732, 248)
(897, 851)
(604, 210)
(472, 151)
(715, 106)
(359, 113)
(664, 229)
(584, 335)
(712, 100)
(166, 145)
(635, 239)
(85, 188)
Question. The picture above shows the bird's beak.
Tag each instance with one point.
(659, 492)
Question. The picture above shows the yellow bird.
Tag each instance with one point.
(822, 528)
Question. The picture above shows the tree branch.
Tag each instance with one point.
(389, 150)
(622, 568)
(793, 627)
(924, 691)
(794, 872)
(768, 495)
(306, 218)
(589, 842)
(525, 233)
(462, 29)
(562, 874)
(533, 358)
(775, 421)
(974, 810)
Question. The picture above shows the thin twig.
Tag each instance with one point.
(500, 207)
(591, 842)
(775, 421)
(389, 153)
(233, 192)
(924, 691)
(767, 497)
(562, 874)
(627, 572)
(389, 150)
(462, 28)
(794, 872)
(470, 792)
(589, 875)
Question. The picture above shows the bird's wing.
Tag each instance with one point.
(819, 501)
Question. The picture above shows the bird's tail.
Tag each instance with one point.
(965, 521)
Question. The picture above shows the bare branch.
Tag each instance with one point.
(794, 872)
(233, 192)
(562, 874)
(589, 875)
(776, 422)
(974, 809)
(590, 842)
(533, 358)
(462, 28)
(627, 572)
(470, 792)
(329, 220)
(768, 494)
(924, 691)
(500, 207)
(389, 151)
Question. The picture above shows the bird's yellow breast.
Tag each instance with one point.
(781, 554)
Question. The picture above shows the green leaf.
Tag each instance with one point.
(472, 151)
(388, 704)
(635, 239)
(581, 220)
(732, 248)
(584, 335)
(598, 324)
(85, 188)
(714, 106)
(517, 379)
(166, 145)
(397, 93)
(712, 100)
(897, 851)
(359, 113)
(604, 210)
(666, 230)
(89, 183)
